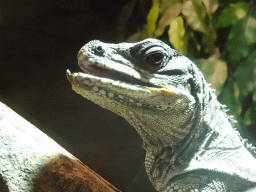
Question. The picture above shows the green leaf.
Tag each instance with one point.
(166, 4)
(238, 46)
(211, 6)
(194, 13)
(169, 14)
(152, 19)
(245, 76)
(232, 14)
(209, 40)
(250, 30)
(200, 9)
(229, 97)
(176, 34)
(250, 115)
(215, 72)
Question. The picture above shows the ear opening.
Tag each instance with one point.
(193, 89)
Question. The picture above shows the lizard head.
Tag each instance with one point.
(154, 87)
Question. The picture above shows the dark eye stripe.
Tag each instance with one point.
(171, 72)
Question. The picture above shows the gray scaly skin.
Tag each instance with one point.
(191, 143)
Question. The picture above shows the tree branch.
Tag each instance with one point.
(31, 161)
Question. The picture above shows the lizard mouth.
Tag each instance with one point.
(122, 81)
(96, 70)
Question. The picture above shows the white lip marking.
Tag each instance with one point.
(102, 91)
(111, 94)
(93, 80)
(121, 96)
(95, 88)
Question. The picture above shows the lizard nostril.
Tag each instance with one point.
(99, 49)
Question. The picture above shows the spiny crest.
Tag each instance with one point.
(250, 147)
(233, 122)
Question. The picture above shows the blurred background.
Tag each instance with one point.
(39, 40)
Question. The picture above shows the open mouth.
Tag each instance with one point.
(95, 70)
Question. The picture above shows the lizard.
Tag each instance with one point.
(191, 142)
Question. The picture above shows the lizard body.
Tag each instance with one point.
(191, 143)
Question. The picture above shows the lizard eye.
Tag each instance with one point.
(154, 59)
(149, 56)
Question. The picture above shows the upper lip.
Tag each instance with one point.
(81, 51)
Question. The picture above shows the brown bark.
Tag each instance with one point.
(31, 161)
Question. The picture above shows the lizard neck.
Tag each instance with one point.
(221, 147)
(214, 145)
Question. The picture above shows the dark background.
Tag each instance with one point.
(39, 40)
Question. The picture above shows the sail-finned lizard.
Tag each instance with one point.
(191, 143)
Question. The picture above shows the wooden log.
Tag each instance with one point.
(31, 161)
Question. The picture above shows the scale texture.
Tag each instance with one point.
(191, 143)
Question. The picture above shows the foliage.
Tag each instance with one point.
(220, 37)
